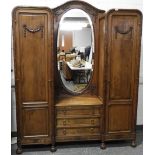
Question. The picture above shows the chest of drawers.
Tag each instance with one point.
(78, 122)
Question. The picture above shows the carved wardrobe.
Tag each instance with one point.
(106, 110)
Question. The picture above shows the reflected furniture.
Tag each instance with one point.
(63, 58)
(66, 71)
(87, 66)
(47, 112)
(81, 73)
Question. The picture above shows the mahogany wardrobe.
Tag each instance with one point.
(106, 110)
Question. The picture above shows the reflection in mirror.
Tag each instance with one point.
(75, 48)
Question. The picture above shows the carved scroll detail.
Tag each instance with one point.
(39, 28)
(117, 30)
(92, 11)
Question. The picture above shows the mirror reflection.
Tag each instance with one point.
(75, 48)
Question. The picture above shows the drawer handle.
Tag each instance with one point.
(92, 130)
(64, 131)
(92, 122)
(64, 122)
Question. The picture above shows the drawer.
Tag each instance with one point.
(78, 122)
(72, 111)
(77, 131)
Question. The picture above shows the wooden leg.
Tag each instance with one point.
(19, 150)
(133, 143)
(103, 146)
(19, 146)
(53, 148)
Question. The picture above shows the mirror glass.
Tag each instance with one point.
(75, 48)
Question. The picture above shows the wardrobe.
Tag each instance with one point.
(106, 110)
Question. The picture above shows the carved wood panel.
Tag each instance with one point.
(123, 46)
(35, 122)
(119, 118)
(33, 57)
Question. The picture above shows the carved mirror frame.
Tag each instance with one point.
(91, 88)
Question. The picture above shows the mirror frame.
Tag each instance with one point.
(93, 13)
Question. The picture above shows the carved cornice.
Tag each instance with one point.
(91, 10)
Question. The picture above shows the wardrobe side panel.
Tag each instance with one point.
(33, 74)
(124, 34)
(102, 53)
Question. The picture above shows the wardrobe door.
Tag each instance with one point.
(32, 33)
(123, 48)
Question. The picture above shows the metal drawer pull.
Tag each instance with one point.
(64, 131)
(64, 122)
(92, 130)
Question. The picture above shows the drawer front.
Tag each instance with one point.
(78, 122)
(77, 112)
(77, 132)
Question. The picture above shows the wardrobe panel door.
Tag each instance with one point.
(40, 117)
(33, 73)
(123, 32)
(34, 55)
(119, 118)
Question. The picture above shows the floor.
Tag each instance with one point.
(72, 86)
(85, 148)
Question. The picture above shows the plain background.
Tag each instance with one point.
(149, 63)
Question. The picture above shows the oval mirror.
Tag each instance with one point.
(75, 48)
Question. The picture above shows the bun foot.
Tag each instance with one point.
(53, 148)
(19, 151)
(133, 143)
(103, 146)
